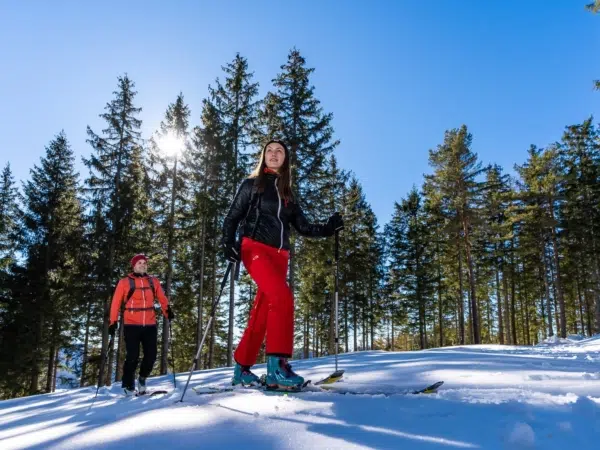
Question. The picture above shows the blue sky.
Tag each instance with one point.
(395, 74)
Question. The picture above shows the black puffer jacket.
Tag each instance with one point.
(269, 217)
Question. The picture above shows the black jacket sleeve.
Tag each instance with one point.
(305, 228)
(237, 211)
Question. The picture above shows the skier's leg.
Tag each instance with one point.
(131, 334)
(254, 334)
(149, 345)
(268, 267)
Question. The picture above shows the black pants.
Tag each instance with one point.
(134, 336)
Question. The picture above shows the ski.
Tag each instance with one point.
(368, 389)
(338, 388)
(150, 393)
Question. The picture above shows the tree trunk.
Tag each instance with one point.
(35, 370)
(306, 333)
(469, 317)
(559, 288)
(472, 286)
(547, 289)
(499, 299)
(346, 321)
(513, 298)
(51, 354)
(580, 299)
(392, 326)
(55, 370)
(354, 316)
(542, 304)
(86, 340)
(214, 294)
(461, 313)
(440, 301)
(588, 312)
(164, 357)
(199, 326)
(507, 321)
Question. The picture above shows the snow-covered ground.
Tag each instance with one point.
(494, 397)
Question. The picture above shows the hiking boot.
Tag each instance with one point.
(242, 375)
(280, 374)
(129, 390)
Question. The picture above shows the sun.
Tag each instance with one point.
(170, 144)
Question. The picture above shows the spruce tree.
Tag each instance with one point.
(53, 230)
(170, 196)
(294, 114)
(542, 183)
(107, 187)
(10, 216)
(237, 107)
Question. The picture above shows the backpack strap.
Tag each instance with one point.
(132, 288)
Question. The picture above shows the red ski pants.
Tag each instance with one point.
(273, 309)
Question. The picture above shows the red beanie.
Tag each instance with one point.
(137, 257)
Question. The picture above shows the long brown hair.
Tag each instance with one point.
(284, 180)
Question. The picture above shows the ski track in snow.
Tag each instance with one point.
(494, 397)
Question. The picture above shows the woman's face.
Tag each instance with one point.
(274, 156)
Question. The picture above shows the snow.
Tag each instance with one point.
(494, 397)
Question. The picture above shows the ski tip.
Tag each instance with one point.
(333, 378)
(431, 389)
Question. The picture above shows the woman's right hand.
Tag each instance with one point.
(231, 253)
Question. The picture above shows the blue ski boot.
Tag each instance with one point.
(242, 375)
(281, 376)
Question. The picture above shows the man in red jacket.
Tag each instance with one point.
(136, 295)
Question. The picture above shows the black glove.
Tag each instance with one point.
(112, 328)
(170, 313)
(335, 223)
(231, 252)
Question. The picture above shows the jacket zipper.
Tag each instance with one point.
(278, 211)
(144, 298)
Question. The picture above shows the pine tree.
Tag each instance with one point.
(206, 163)
(238, 113)
(580, 158)
(107, 188)
(542, 184)
(456, 171)
(170, 194)
(496, 200)
(10, 215)
(53, 230)
(411, 256)
(12, 364)
(294, 114)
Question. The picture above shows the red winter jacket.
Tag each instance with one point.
(139, 310)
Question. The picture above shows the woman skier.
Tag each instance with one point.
(263, 208)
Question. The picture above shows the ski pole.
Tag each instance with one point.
(337, 257)
(210, 320)
(172, 354)
(102, 364)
